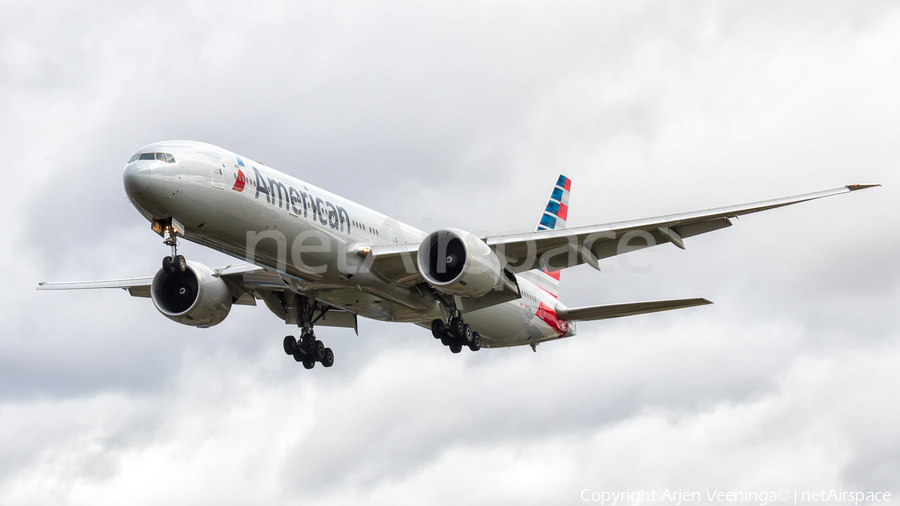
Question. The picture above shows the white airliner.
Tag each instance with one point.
(315, 258)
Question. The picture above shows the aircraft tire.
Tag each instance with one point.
(180, 264)
(455, 347)
(466, 336)
(290, 345)
(475, 345)
(446, 340)
(437, 329)
(457, 327)
(328, 361)
(308, 343)
(319, 351)
(167, 265)
(309, 363)
(299, 357)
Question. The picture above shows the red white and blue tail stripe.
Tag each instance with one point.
(557, 209)
(553, 218)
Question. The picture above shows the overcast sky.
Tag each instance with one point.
(460, 114)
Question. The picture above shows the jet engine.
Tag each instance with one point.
(194, 297)
(459, 263)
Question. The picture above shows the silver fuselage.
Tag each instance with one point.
(310, 236)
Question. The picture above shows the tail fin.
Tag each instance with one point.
(553, 218)
(557, 209)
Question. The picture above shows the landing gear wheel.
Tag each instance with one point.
(299, 357)
(308, 343)
(475, 345)
(319, 351)
(447, 340)
(328, 361)
(290, 345)
(309, 363)
(437, 329)
(457, 327)
(466, 335)
(167, 265)
(456, 347)
(179, 264)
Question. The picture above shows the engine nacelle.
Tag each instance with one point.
(195, 297)
(459, 263)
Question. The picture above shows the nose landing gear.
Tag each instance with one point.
(175, 262)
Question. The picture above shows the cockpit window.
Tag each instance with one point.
(163, 157)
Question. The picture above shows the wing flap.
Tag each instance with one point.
(629, 309)
(702, 227)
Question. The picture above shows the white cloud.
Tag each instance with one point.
(650, 107)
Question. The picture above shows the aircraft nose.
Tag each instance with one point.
(136, 177)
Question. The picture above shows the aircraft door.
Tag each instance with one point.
(218, 172)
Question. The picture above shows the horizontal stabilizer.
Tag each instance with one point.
(629, 309)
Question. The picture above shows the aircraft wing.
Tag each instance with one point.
(249, 283)
(629, 309)
(559, 249)
(249, 279)
(138, 287)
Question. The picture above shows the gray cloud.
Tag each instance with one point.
(460, 115)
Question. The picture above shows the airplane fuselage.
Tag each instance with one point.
(312, 238)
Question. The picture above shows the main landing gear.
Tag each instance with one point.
(308, 350)
(175, 262)
(456, 333)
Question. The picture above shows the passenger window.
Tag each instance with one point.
(170, 158)
(148, 156)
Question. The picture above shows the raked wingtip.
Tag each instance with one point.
(854, 187)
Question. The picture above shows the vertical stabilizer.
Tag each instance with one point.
(557, 209)
(553, 218)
